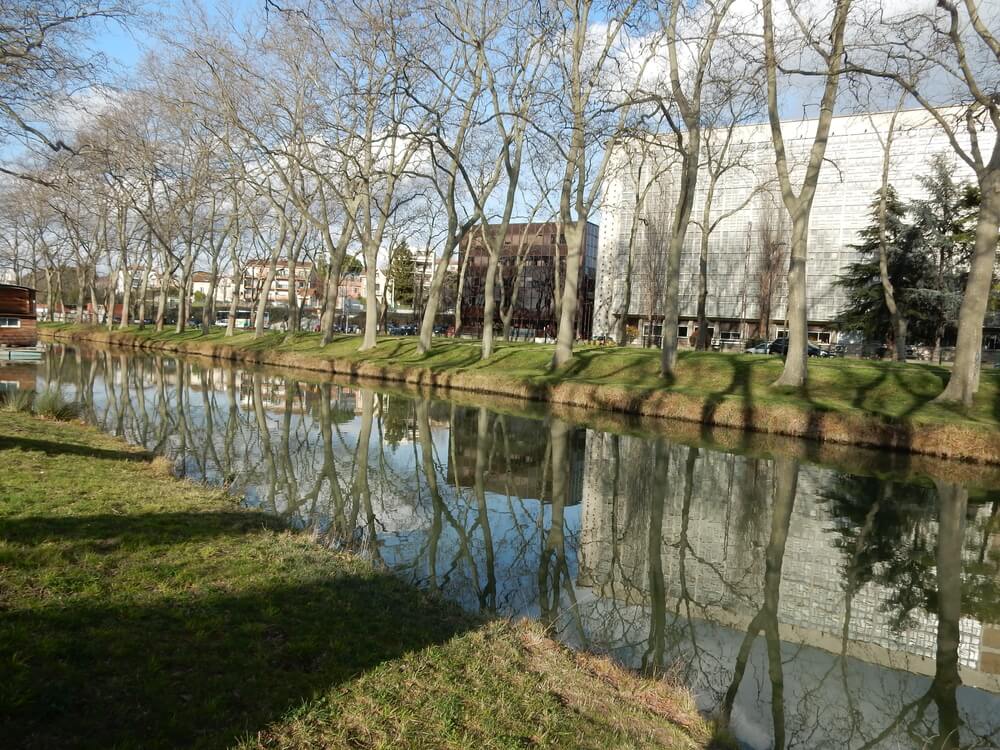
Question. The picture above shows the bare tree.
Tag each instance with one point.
(923, 52)
(647, 175)
(772, 265)
(45, 57)
(683, 113)
(588, 111)
(896, 317)
(799, 204)
(653, 262)
(725, 154)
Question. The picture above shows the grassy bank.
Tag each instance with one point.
(137, 610)
(880, 404)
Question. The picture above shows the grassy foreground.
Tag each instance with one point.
(860, 402)
(137, 610)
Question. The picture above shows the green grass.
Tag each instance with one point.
(137, 610)
(888, 391)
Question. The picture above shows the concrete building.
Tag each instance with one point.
(539, 282)
(225, 287)
(255, 274)
(740, 270)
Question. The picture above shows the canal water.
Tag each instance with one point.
(807, 604)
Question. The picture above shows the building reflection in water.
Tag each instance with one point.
(805, 606)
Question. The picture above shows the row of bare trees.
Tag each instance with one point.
(320, 131)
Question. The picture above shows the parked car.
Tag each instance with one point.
(761, 348)
(780, 346)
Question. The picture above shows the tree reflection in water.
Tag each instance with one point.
(806, 607)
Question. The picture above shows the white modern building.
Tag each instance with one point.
(749, 216)
(225, 286)
(255, 275)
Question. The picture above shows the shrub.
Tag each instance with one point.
(51, 404)
(22, 401)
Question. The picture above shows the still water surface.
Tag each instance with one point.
(806, 606)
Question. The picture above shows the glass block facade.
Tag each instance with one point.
(746, 208)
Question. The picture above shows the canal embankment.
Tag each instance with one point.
(137, 609)
(884, 405)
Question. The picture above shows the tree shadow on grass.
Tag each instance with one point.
(584, 359)
(54, 449)
(203, 664)
(741, 385)
(106, 531)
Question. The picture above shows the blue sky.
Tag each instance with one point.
(125, 45)
(121, 45)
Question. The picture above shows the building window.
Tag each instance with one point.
(682, 331)
(10, 322)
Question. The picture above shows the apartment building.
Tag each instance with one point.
(748, 249)
(305, 283)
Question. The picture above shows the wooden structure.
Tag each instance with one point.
(18, 316)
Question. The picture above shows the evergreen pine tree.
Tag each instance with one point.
(945, 223)
(909, 271)
(401, 273)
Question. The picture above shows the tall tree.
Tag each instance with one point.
(683, 112)
(799, 203)
(890, 241)
(401, 275)
(588, 113)
(953, 56)
(945, 221)
(45, 57)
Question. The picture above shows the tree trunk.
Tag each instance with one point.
(896, 318)
(81, 284)
(507, 316)
(800, 206)
(621, 323)
(331, 292)
(682, 218)
(293, 299)
(126, 297)
(574, 232)
(434, 298)
(794, 372)
(110, 298)
(49, 298)
(371, 300)
(461, 286)
(234, 303)
(265, 292)
(489, 302)
(184, 297)
(161, 302)
(144, 285)
(703, 341)
(92, 286)
(208, 309)
(964, 380)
